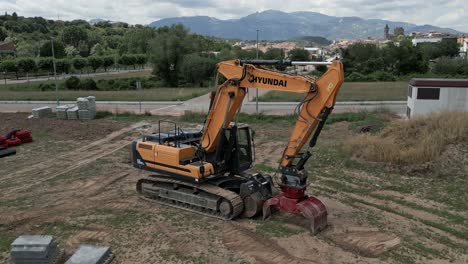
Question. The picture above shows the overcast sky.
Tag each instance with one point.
(448, 13)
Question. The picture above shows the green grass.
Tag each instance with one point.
(350, 91)
(123, 117)
(156, 94)
(263, 167)
(5, 241)
(101, 76)
(275, 228)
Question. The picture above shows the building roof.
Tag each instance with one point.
(454, 83)
(7, 47)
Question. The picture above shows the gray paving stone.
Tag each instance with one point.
(89, 254)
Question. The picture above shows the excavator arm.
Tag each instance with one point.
(320, 98)
(317, 104)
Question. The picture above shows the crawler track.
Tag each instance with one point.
(153, 188)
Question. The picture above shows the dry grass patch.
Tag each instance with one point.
(414, 141)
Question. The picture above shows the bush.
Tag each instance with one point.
(72, 83)
(46, 87)
(451, 66)
(382, 76)
(88, 84)
(356, 77)
(372, 77)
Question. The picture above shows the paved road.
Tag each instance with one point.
(179, 108)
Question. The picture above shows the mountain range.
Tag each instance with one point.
(278, 25)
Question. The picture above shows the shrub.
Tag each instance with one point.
(356, 77)
(88, 84)
(72, 83)
(382, 76)
(46, 87)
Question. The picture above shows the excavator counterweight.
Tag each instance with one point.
(210, 171)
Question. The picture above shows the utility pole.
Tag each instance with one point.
(55, 72)
(256, 90)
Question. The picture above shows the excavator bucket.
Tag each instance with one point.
(310, 207)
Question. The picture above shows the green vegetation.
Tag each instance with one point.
(274, 227)
(351, 91)
(369, 62)
(5, 241)
(158, 94)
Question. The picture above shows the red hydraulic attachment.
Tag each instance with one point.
(294, 200)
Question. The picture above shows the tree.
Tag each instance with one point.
(26, 49)
(88, 84)
(107, 62)
(127, 60)
(141, 59)
(95, 62)
(71, 52)
(27, 65)
(451, 66)
(3, 34)
(448, 48)
(10, 66)
(73, 83)
(196, 69)
(274, 54)
(72, 35)
(63, 65)
(45, 64)
(79, 63)
(167, 51)
(46, 49)
(410, 59)
(298, 55)
(136, 41)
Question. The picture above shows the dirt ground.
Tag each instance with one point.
(76, 182)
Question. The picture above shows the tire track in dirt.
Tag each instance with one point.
(77, 154)
(262, 249)
(420, 212)
(77, 159)
(82, 200)
(378, 205)
(424, 214)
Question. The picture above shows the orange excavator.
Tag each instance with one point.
(209, 171)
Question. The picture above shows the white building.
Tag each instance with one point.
(418, 40)
(436, 95)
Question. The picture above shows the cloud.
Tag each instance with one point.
(441, 13)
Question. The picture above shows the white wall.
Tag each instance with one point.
(450, 99)
(422, 40)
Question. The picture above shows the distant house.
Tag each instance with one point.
(314, 51)
(7, 48)
(431, 37)
(435, 95)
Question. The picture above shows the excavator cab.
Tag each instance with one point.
(234, 153)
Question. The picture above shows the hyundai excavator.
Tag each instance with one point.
(209, 171)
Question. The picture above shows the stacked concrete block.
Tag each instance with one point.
(42, 112)
(62, 111)
(87, 107)
(72, 113)
(35, 249)
(88, 254)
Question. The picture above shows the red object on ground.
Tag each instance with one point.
(13, 142)
(24, 136)
(3, 143)
(294, 200)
